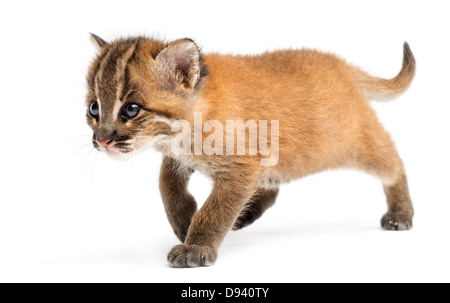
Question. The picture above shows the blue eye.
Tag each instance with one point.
(131, 110)
(94, 109)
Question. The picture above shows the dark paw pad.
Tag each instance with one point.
(396, 222)
(182, 256)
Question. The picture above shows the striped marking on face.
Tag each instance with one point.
(110, 80)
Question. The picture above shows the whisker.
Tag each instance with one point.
(74, 138)
(86, 145)
(87, 159)
(69, 140)
(76, 151)
(93, 168)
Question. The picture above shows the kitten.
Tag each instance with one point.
(143, 92)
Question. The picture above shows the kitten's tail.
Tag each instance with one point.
(388, 89)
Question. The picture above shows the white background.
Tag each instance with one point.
(68, 214)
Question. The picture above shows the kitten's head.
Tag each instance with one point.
(136, 88)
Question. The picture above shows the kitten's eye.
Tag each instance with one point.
(131, 110)
(94, 109)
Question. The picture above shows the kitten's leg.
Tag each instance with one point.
(381, 159)
(179, 204)
(213, 221)
(262, 200)
(400, 209)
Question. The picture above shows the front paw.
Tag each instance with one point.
(397, 222)
(182, 256)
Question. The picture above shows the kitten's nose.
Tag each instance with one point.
(104, 143)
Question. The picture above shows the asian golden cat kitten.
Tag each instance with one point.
(143, 92)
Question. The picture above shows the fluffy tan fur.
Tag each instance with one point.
(320, 101)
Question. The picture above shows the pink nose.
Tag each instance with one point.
(104, 143)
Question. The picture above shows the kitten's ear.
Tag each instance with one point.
(98, 42)
(179, 65)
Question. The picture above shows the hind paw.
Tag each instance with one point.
(396, 222)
